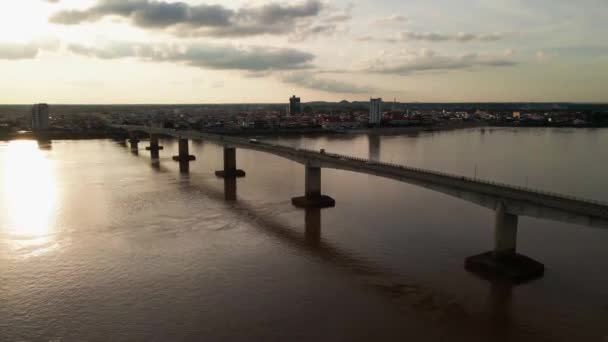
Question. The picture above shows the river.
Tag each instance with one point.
(99, 244)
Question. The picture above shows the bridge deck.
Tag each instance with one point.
(518, 200)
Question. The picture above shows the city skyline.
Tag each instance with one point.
(139, 51)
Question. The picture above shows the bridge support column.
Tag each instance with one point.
(312, 223)
(230, 189)
(313, 197)
(154, 147)
(505, 232)
(184, 158)
(134, 141)
(503, 261)
(184, 152)
(230, 170)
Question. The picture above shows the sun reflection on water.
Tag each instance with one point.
(30, 196)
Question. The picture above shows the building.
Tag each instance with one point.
(295, 106)
(375, 111)
(40, 117)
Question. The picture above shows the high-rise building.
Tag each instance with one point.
(40, 117)
(375, 111)
(295, 106)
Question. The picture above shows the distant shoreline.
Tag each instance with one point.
(58, 135)
(113, 134)
(417, 129)
(374, 130)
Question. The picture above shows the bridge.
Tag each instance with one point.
(508, 201)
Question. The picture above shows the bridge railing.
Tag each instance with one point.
(296, 152)
(503, 186)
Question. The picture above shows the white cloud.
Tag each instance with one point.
(391, 19)
(311, 81)
(209, 56)
(425, 60)
(16, 51)
(461, 37)
(458, 37)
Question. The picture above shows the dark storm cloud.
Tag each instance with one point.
(184, 19)
(221, 57)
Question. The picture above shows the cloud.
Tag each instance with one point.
(14, 51)
(392, 19)
(220, 57)
(325, 25)
(198, 20)
(306, 32)
(429, 61)
(311, 81)
(585, 51)
(258, 74)
(338, 18)
(217, 84)
(367, 38)
(544, 56)
(18, 51)
(460, 37)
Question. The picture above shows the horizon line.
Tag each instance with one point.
(286, 103)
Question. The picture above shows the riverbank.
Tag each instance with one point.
(61, 135)
(417, 129)
(372, 130)
(312, 132)
(109, 134)
(273, 132)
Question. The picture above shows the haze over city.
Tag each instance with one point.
(143, 51)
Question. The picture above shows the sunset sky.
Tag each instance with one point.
(232, 51)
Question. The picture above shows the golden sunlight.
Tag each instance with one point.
(30, 192)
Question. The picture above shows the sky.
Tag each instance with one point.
(264, 51)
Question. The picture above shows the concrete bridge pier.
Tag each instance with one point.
(504, 261)
(154, 147)
(230, 170)
(230, 189)
(183, 152)
(184, 166)
(312, 223)
(134, 141)
(313, 197)
(184, 158)
(505, 232)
